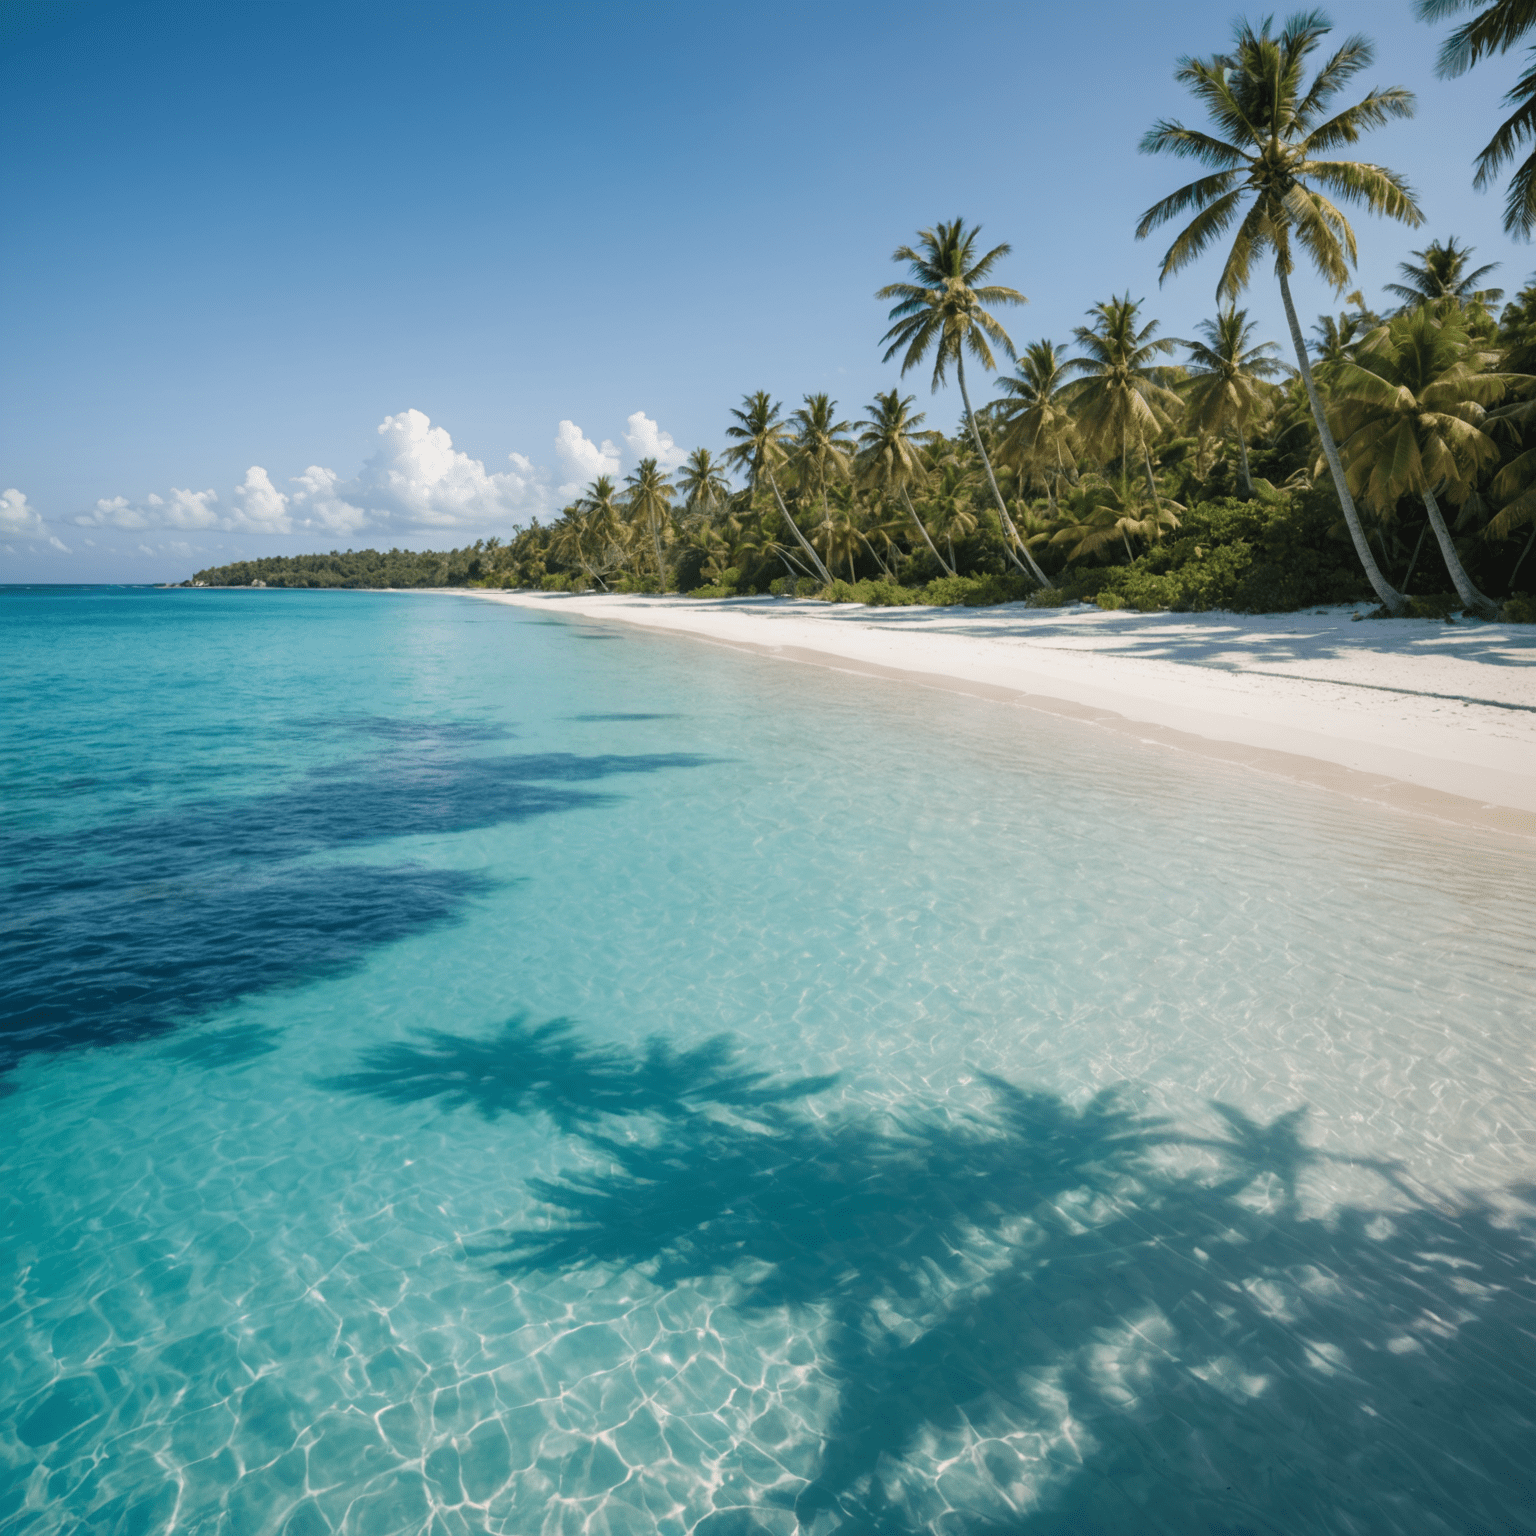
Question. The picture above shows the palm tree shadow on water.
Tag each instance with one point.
(1040, 1317)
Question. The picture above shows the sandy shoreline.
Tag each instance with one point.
(1433, 718)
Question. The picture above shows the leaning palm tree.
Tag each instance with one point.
(1270, 128)
(1040, 438)
(1412, 407)
(649, 498)
(890, 459)
(1496, 28)
(760, 446)
(944, 312)
(1228, 379)
(702, 483)
(1119, 397)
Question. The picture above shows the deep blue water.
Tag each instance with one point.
(463, 1069)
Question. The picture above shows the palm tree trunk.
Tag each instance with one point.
(1391, 599)
(1002, 507)
(951, 544)
(794, 528)
(884, 568)
(1412, 563)
(1146, 459)
(1242, 448)
(922, 528)
(1469, 594)
(661, 569)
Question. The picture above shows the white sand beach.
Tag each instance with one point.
(1434, 718)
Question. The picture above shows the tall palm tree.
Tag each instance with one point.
(1270, 127)
(890, 459)
(944, 311)
(1412, 407)
(1496, 28)
(1039, 434)
(702, 483)
(1119, 397)
(821, 450)
(759, 447)
(1228, 379)
(648, 494)
(1440, 276)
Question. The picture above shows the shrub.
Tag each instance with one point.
(877, 594)
(1520, 608)
(1439, 606)
(555, 581)
(1050, 597)
(632, 584)
(1110, 601)
(716, 590)
(975, 591)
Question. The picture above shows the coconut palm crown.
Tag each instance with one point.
(1268, 177)
(1496, 28)
(1120, 397)
(1439, 276)
(943, 311)
(1228, 379)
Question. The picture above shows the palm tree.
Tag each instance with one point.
(951, 504)
(1412, 409)
(1227, 382)
(1496, 28)
(1039, 435)
(649, 498)
(595, 537)
(821, 450)
(1268, 132)
(760, 446)
(1440, 276)
(943, 311)
(890, 460)
(1119, 398)
(702, 483)
(1095, 513)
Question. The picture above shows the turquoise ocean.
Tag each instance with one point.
(472, 1069)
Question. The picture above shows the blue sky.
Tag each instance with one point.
(350, 266)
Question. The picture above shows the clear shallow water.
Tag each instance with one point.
(472, 1071)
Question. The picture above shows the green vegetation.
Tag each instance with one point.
(1113, 472)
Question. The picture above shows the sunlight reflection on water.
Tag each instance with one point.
(654, 1090)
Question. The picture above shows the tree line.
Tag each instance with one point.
(1393, 455)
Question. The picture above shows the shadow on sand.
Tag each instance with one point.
(1037, 1317)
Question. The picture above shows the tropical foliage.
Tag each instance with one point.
(1125, 467)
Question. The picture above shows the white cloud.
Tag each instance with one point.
(19, 517)
(417, 481)
(646, 440)
(262, 508)
(181, 509)
(324, 507)
(583, 460)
